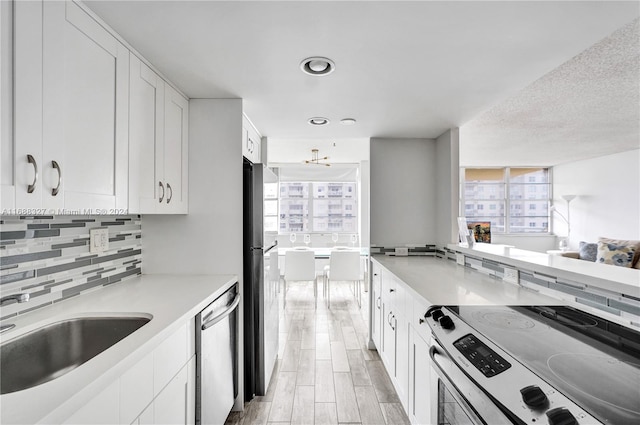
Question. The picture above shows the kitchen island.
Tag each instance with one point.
(171, 302)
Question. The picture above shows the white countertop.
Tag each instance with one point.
(170, 300)
(618, 279)
(443, 282)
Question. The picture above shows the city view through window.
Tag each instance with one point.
(318, 207)
(513, 200)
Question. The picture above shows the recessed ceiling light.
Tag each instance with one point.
(348, 121)
(317, 66)
(318, 121)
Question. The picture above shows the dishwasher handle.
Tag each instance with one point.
(207, 324)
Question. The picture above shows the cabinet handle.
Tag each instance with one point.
(378, 303)
(389, 318)
(56, 189)
(392, 290)
(421, 320)
(395, 323)
(170, 194)
(161, 196)
(31, 160)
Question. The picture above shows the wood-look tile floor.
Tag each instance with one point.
(325, 374)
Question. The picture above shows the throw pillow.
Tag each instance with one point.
(588, 251)
(636, 258)
(618, 255)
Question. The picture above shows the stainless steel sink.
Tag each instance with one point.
(53, 350)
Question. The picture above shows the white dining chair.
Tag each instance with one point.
(344, 265)
(300, 265)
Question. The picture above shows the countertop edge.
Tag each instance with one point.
(113, 362)
(628, 280)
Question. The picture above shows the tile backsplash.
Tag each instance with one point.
(48, 257)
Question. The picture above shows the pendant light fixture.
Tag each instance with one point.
(315, 159)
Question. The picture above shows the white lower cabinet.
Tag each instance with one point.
(419, 409)
(376, 326)
(402, 358)
(102, 409)
(145, 418)
(170, 406)
(159, 389)
(403, 349)
(136, 389)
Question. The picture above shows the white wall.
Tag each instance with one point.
(447, 187)
(608, 197)
(209, 239)
(403, 191)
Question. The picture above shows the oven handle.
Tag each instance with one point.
(464, 404)
(490, 412)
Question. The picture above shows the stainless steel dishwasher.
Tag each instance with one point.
(216, 358)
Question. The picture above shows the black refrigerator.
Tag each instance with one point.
(260, 284)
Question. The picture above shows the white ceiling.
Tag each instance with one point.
(587, 107)
(403, 69)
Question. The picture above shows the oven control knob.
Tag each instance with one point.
(534, 397)
(437, 315)
(561, 416)
(446, 322)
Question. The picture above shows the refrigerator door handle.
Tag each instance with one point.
(271, 247)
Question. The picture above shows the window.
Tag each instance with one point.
(318, 207)
(517, 198)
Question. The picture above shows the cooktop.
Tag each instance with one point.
(592, 361)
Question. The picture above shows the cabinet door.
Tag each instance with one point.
(402, 358)
(420, 381)
(102, 409)
(85, 111)
(7, 187)
(170, 406)
(376, 326)
(146, 129)
(176, 155)
(388, 353)
(27, 112)
(251, 144)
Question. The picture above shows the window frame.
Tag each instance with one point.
(507, 216)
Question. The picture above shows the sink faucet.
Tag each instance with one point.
(18, 298)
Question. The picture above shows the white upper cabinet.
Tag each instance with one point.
(27, 112)
(71, 110)
(7, 186)
(158, 144)
(176, 155)
(251, 141)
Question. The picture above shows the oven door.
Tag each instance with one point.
(458, 399)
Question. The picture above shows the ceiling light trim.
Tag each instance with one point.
(348, 121)
(317, 66)
(318, 121)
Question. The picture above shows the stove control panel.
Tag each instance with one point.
(482, 357)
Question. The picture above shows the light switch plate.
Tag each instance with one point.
(98, 239)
